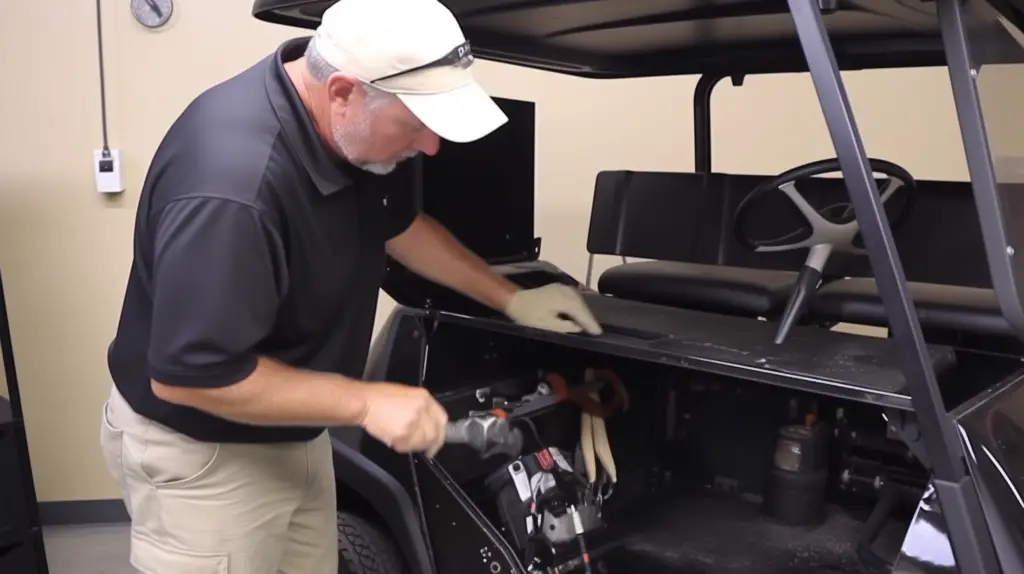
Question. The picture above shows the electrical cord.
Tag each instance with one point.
(103, 82)
(533, 430)
(577, 524)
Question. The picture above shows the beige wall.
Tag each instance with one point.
(65, 251)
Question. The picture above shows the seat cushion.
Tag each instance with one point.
(714, 288)
(946, 307)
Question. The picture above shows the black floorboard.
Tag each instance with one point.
(716, 535)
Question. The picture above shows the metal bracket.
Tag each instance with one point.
(828, 6)
(903, 425)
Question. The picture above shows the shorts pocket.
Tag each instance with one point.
(110, 437)
(171, 459)
(112, 445)
(151, 557)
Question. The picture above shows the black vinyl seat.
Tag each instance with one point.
(681, 221)
(969, 310)
(713, 288)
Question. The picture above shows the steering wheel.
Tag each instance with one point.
(828, 229)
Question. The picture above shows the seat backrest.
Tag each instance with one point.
(939, 240)
(689, 217)
(684, 217)
(656, 215)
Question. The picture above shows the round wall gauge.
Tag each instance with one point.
(152, 13)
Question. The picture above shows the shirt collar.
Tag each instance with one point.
(329, 172)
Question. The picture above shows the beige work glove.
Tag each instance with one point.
(554, 307)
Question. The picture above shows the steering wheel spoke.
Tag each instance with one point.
(803, 206)
(892, 185)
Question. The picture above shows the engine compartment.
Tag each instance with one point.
(712, 474)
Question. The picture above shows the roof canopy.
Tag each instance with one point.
(638, 38)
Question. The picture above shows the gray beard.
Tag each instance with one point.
(344, 136)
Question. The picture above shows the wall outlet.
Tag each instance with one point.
(106, 167)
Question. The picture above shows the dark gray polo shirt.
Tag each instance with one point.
(252, 238)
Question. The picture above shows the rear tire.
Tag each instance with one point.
(366, 548)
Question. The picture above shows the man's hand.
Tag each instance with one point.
(555, 307)
(405, 418)
(430, 251)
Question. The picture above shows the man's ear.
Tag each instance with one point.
(341, 89)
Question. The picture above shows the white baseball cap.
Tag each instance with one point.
(416, 50)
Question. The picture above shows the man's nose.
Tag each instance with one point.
(428, 142)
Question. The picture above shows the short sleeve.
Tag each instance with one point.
(398, 190)
(217, 283)
(401, 212)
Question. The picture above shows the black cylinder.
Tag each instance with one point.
(795, 487)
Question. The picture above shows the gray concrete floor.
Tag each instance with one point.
(90, 549)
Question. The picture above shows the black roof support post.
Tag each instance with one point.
(702, 118)
(702, 121)
(957, 496)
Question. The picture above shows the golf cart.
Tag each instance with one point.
(720, 423)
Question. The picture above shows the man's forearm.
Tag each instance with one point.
(276, 394)
(429, 250)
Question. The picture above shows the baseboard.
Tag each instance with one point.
(71, 512)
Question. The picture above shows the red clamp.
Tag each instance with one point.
(580, 395)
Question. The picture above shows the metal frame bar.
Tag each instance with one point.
(590, 268)
(995, 222)
(941, 441)
(957, 495)
(963, 80)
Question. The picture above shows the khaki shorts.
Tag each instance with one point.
(208, 508)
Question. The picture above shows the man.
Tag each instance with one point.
(260, 244)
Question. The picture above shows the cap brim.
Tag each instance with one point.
(461, 115)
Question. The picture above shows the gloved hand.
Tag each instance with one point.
(555, 307)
